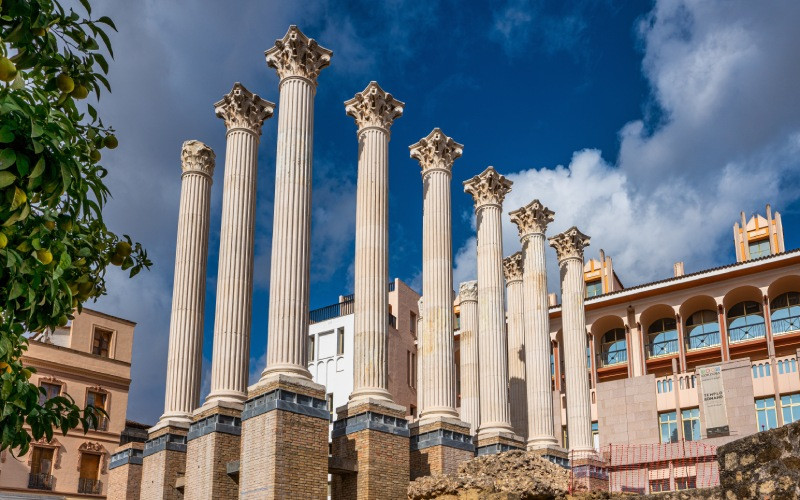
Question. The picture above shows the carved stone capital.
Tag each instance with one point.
(374, 107)
(532, 218)
(488, 188)
(241, 108)
(468, 290)
(296, 55)
(436, 151)
(197, 157)
(569, 244)
(512, 267)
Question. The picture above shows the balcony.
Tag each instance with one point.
(661, 348)
(40, 481)
(332, 311)
(785, 325)
(702, 341)
(612, 357)
(90, 486)
(747, 332)
(393, 321)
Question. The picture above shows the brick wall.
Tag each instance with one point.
(159, 473)
(206, 467)
(383, 461)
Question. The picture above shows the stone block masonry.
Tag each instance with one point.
(125, 472)
(214, 440)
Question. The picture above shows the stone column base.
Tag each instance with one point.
(284, 444)
(371, 439)
(490, 443)
(164, 462)
(213, 442)
(439, 446)
(553, 453)
(125, 472)
(589, 472)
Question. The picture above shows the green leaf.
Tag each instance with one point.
(36, 129)
(7, 158)
(109, 22)
(23, 165)
(19, 198)
(86, 6)
(107, 42)
(6, 135)
(6, 178)
(38, 168)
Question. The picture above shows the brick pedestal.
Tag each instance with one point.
(498, 442)
(213, 443)
(439, 446)
(553, 453)
(164, 463)
(370, 438)
(589, 473)
(284, 444)
(125, 472)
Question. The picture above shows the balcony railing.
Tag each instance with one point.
(332, 311)
(612, 357)
(90, 486)
(393, 321)
(661, 348)
(747, 332)
(785, 325)
(40, 481)
(702, 341)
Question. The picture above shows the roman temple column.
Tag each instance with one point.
(243, 113)
(285, 418)
(515, 321)
(569, 246)
(420, 336)
(185, 358)
(470, 368)
(495, 435)
(531, 221)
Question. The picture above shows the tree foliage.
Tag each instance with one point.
(54, 245)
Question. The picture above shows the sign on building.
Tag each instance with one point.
(712, 393)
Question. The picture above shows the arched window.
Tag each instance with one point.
(785, 313)
(745, 322)
(663, 337)
(613, 348)
(702, 330)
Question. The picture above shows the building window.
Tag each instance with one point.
(596, 436)
(658, 485)
(89, 471)
(312, 344)
(691, 424)
(412, 318)
(102, 342)
(613, 348)
(686, 483)
(790, 408)
(766, 414)
(663, 337)
(340, 341)
(745, 322)
(668, 425)
(414, 369)
(759, 248)
(98, 400)
(594, 288)
(41, 466)
(785, 313)
(565, 436)
(49, 391)
(787, 366)
(412, 410)
(329, 400)
(702, 330)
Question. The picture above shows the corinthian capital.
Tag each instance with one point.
(488, 188)
(241, 108)
(468, 290)
(436, 151)
(532, 218)
(512, 267)
(296, 55)
(374, 107)
(570, 244)
(197, 157)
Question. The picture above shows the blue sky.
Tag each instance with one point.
(649, 125)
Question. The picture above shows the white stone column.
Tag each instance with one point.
(420, 336)
(470, 367)
(298, 61)
(436, 153)
(515, 326)
(488, 191)
(532, 221)
(374, 111)
(244, 113)
(569, 246)
(185, 359)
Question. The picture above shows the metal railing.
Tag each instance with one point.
(612, 357)
(702, 341)
(40, 481)
(662, 348)
(90, 486)
(332, 311)
(747, 332)
(785, 325)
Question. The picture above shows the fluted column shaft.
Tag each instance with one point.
(470, 367)
(537, 343)
(438, 363)
(420, 374)
(495, 415)
(579, 420)
(291, 237)
(517, 393)
(372, 267)
(184, 361)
